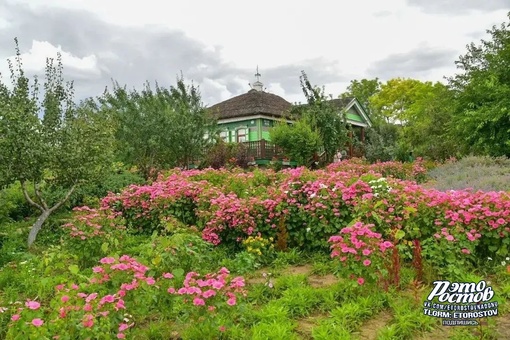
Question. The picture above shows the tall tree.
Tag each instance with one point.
(482, 94)
(159, 128)
(323, 117)
(393, 102)
(68, 146)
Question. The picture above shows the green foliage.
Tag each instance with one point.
(299, 141)
(159, 128)
(323, 117)
(71, 144)
(13, 206)
(381, 142)
(482, 94)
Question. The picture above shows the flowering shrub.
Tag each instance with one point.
(118, 288)
(362, 253)
(308, 207)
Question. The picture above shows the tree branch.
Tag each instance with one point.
(59, 204)
(39, 196)
(27, 197)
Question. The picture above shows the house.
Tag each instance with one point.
(248, 118)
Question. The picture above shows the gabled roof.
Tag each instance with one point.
(252, 103)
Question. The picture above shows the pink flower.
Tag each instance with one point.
(15, 317)
(450, 238)
(222, 328)
(367, 262)
(231, 301)
(88, 321)
(123, 327)
(59, 287)
(361, 281)
(121, 336)
(198, 302)
(107, 299)
(37, 322)
(168, 276)
(107, 260)
(32, 304)
(120, 304)
(171, 290)
(366, 252)
(466, 251)
(64, 298)
(97, 269)
(150, 280)
(87, 307)
(208, 293)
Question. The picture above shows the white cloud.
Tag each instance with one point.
(34, 61)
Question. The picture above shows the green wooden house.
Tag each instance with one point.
(248, 118)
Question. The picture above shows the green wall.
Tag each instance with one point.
(258, 128)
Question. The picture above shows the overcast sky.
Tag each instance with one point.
(218, 44)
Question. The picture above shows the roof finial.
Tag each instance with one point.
(257, 74)
(258, 85)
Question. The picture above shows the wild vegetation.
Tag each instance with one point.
(132, 244)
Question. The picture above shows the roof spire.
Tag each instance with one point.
(258, 85)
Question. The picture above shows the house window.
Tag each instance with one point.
(242, 135)
(224, 136)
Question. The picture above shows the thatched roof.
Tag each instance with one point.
(252, 103)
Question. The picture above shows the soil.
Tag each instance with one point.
(369, 330)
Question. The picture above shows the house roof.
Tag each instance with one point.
(251, 103)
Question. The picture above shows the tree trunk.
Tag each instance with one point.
(43, 207)
(37, 226)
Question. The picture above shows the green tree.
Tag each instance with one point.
(299, 141)
(363, 90)
(427, 131)
(159, 128)
(393, 102)
(482, 94)
(64, 148)
(323, 118)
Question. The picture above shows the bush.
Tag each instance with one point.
(475, 172)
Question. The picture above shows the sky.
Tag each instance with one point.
(218, 45)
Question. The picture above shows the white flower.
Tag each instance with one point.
(503, 263)
(313, 195)
(322, 186)
(308, 230)
(508, 259)
(489, 258)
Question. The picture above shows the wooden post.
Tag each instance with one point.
(262, 148)
(362, 134)
(350, 144)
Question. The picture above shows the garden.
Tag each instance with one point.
(351, 251)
